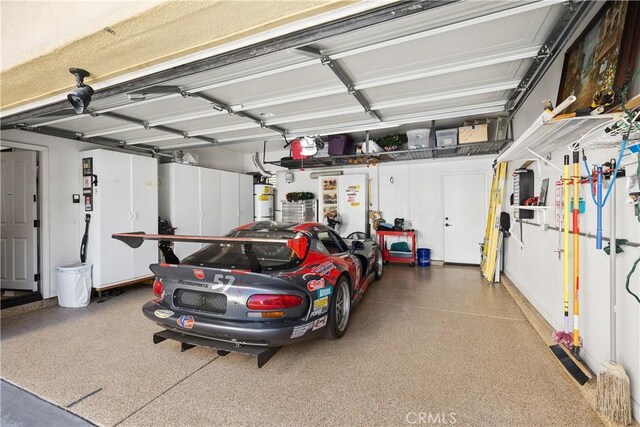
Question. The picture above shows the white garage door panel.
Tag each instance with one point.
(289, 82)
(448, 82)
(515, 32)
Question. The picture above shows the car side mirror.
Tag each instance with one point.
(357, 245)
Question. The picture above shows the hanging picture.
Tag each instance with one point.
(602, 60)
(329, 196)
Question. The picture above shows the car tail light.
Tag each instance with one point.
(298, 246)
(158, 288)
(266, 314)
(273, 302)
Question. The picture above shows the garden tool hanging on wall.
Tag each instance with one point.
(597, 175)
(565, 337)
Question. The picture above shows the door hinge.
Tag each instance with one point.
(35, 198)
(36, 223)
(36, 277)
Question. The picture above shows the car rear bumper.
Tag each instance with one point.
(272, 334)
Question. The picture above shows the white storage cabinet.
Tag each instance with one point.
(203, 202)
(125, 199)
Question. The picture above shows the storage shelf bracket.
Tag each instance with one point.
(542, 159)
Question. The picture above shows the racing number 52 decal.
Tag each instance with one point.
(222, 281)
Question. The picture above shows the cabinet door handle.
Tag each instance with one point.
(135, 215)
(130, 215)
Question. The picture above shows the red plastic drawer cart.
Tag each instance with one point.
(388, 257)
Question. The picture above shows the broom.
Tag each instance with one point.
(565, 337)
(614, 390)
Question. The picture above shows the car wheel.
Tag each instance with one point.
(339, 309)
(379, 264)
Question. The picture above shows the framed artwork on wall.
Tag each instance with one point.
(602, 60)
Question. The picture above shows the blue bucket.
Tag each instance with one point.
(424, 257)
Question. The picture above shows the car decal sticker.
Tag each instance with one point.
(223, 282)
(319, 311)
(319, 303)
(324, 268)
(321, 322)
(186, 322)
(163, 314)
(198, 273)
(324, 292)
(299, 331)
(314, 285)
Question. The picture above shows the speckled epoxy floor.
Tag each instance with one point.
(434, 343)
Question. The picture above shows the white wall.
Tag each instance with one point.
(65, 223)
(536, 270)
(415, 194)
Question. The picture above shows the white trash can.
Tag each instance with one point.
(74, 285)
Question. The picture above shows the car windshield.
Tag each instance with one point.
(249, 255)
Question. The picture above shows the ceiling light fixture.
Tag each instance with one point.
(80, 97)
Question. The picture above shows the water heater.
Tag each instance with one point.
(263, 202)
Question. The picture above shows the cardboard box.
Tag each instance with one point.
(473, 133)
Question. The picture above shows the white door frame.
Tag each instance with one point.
(484, 205)
(43, 194)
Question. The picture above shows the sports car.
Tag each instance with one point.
(262, 286)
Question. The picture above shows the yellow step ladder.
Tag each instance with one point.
(492, 232)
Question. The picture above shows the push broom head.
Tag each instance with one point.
(614, 393)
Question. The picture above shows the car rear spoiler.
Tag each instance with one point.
(135, 239)
(299, 245)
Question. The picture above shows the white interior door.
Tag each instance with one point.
(246, 198)
(210, 205)
(144, 202)
(18, 236)
(464, 217)
(230, 200)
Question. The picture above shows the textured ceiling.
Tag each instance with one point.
(168, 31)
